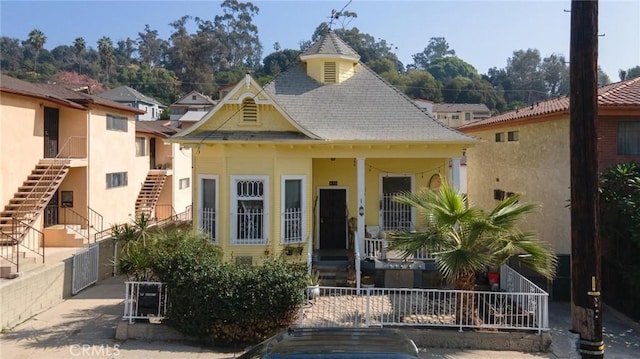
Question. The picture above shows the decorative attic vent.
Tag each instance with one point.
(330, 72)
(249, 111)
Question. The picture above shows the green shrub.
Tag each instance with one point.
(233, 304)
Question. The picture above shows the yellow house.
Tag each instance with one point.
(526, 151)
(67, 167)
(309, 163)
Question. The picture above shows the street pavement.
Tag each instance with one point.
(84, 327)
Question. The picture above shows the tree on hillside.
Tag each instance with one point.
(278, 61)
(11, 54)
(523, 70)
(556, 75)
(105, 48)
(629, 74)
(466, 90)
(36, 40)
(466, 240)
(421, 84)
(150, 47)
(238, 35)
(437, 48)
(447, 68)
(79, 45)
(124, 51)
(603, 78)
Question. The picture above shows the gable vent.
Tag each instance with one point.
(330, 72)
(249, 111)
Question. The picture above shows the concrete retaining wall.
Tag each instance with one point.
(33, 292)
(41, 288)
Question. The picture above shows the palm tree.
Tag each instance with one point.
(466, 240)
(80, 45)
(37, 40)
(105, 48)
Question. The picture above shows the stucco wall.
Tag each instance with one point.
(23, 119)
(536, 166)
(110, 152)
(181, 169)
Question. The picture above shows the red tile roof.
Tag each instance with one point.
(619, 94)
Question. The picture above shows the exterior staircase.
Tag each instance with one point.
(150, 192)
(17, 218)
(335, 268)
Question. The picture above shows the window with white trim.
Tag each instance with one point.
(117, 123)
(292, 222)
(117, 179)
(249, 204)
(208, 205)
(393, 215)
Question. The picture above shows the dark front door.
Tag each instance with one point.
(51, 124)
(333, 218)
(51, 211)
(152, 152)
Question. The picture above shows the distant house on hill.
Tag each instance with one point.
(132, 98)
(454, 114)
(190, 108)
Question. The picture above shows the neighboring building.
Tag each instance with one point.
(167, 187)
(194, 102)
(67, 165)
(322, 148)
(425, 105)
(459, 114)
(130, 97)
(526, 151)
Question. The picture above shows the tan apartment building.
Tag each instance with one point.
(67, 166)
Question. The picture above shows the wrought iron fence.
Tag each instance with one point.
(292, 231)
(352, 307)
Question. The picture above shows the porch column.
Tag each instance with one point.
(359, 237)
(455, 172)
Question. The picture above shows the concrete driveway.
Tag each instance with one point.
(84, 326)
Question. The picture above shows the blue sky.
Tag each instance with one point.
(483, 33)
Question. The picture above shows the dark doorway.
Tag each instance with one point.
(51, 211)
(333, 218)
(51, 127)
(152, 152)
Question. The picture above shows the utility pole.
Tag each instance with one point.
(586, 305)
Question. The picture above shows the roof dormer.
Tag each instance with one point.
(330, 60)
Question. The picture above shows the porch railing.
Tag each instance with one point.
(292, 231)
(74, 147)
(353, 307)
(378, 248)
(208, 222)
(144, 300)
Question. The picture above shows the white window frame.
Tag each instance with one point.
(303, 206)
(233, 209)
(216, 204)
(381, 213)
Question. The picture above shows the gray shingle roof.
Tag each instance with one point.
(127, 94)
(362, 108)
(330, 44)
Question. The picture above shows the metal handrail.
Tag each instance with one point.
(95, 220)
(75, 217)
(30, 238)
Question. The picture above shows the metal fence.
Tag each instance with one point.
(378, 248)
(352, 307)
(144, 300)
(85, 268)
